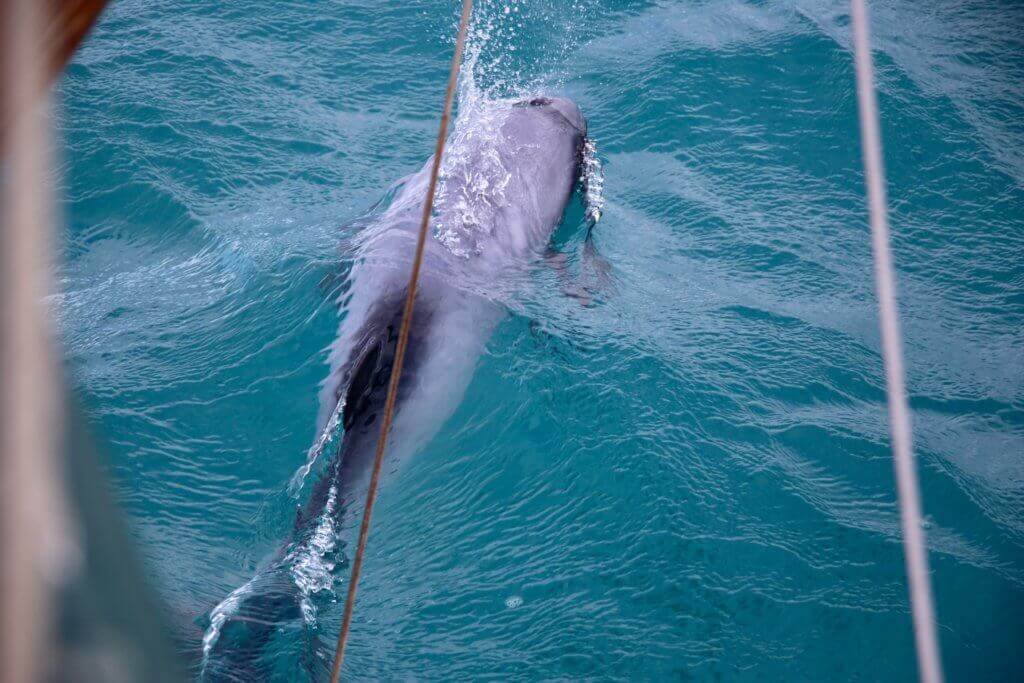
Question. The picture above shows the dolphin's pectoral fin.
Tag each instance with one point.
(595, 276)
(596, 271)
(559, 262)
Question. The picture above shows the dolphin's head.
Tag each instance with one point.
(539, 146)
(562, 106)
(508, 174)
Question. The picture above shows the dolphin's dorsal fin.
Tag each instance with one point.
(365, 376)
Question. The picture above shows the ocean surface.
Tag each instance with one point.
(687, 479)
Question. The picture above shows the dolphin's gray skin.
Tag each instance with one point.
(506, 183)
(507, 176)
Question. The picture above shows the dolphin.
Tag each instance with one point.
(506, 178)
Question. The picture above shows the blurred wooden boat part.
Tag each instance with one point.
(33, 520)
(41, 540)
(66, 27)
(61, 25)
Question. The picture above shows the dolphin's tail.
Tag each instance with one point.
(236, 645)
(243, 624)
(280, 597)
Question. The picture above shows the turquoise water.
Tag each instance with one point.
(688, 479)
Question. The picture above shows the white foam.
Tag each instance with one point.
(473, 178)
(219, 616)
(310, 567)
(593, 182)
(326, 436)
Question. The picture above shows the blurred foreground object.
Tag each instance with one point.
(53, 33)
(73, 605)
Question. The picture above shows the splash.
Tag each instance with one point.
(516, 48)
(327, 437)
(472, 182)
(310, 562)
(511, 54)
(471, 186)
(227, 608)
(310, 565)
(592, 180)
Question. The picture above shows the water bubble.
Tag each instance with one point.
(513, 601)
(593, 181)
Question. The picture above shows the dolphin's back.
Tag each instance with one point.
(362, 391)
(273, 598)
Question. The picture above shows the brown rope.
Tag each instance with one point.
(403, 341)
